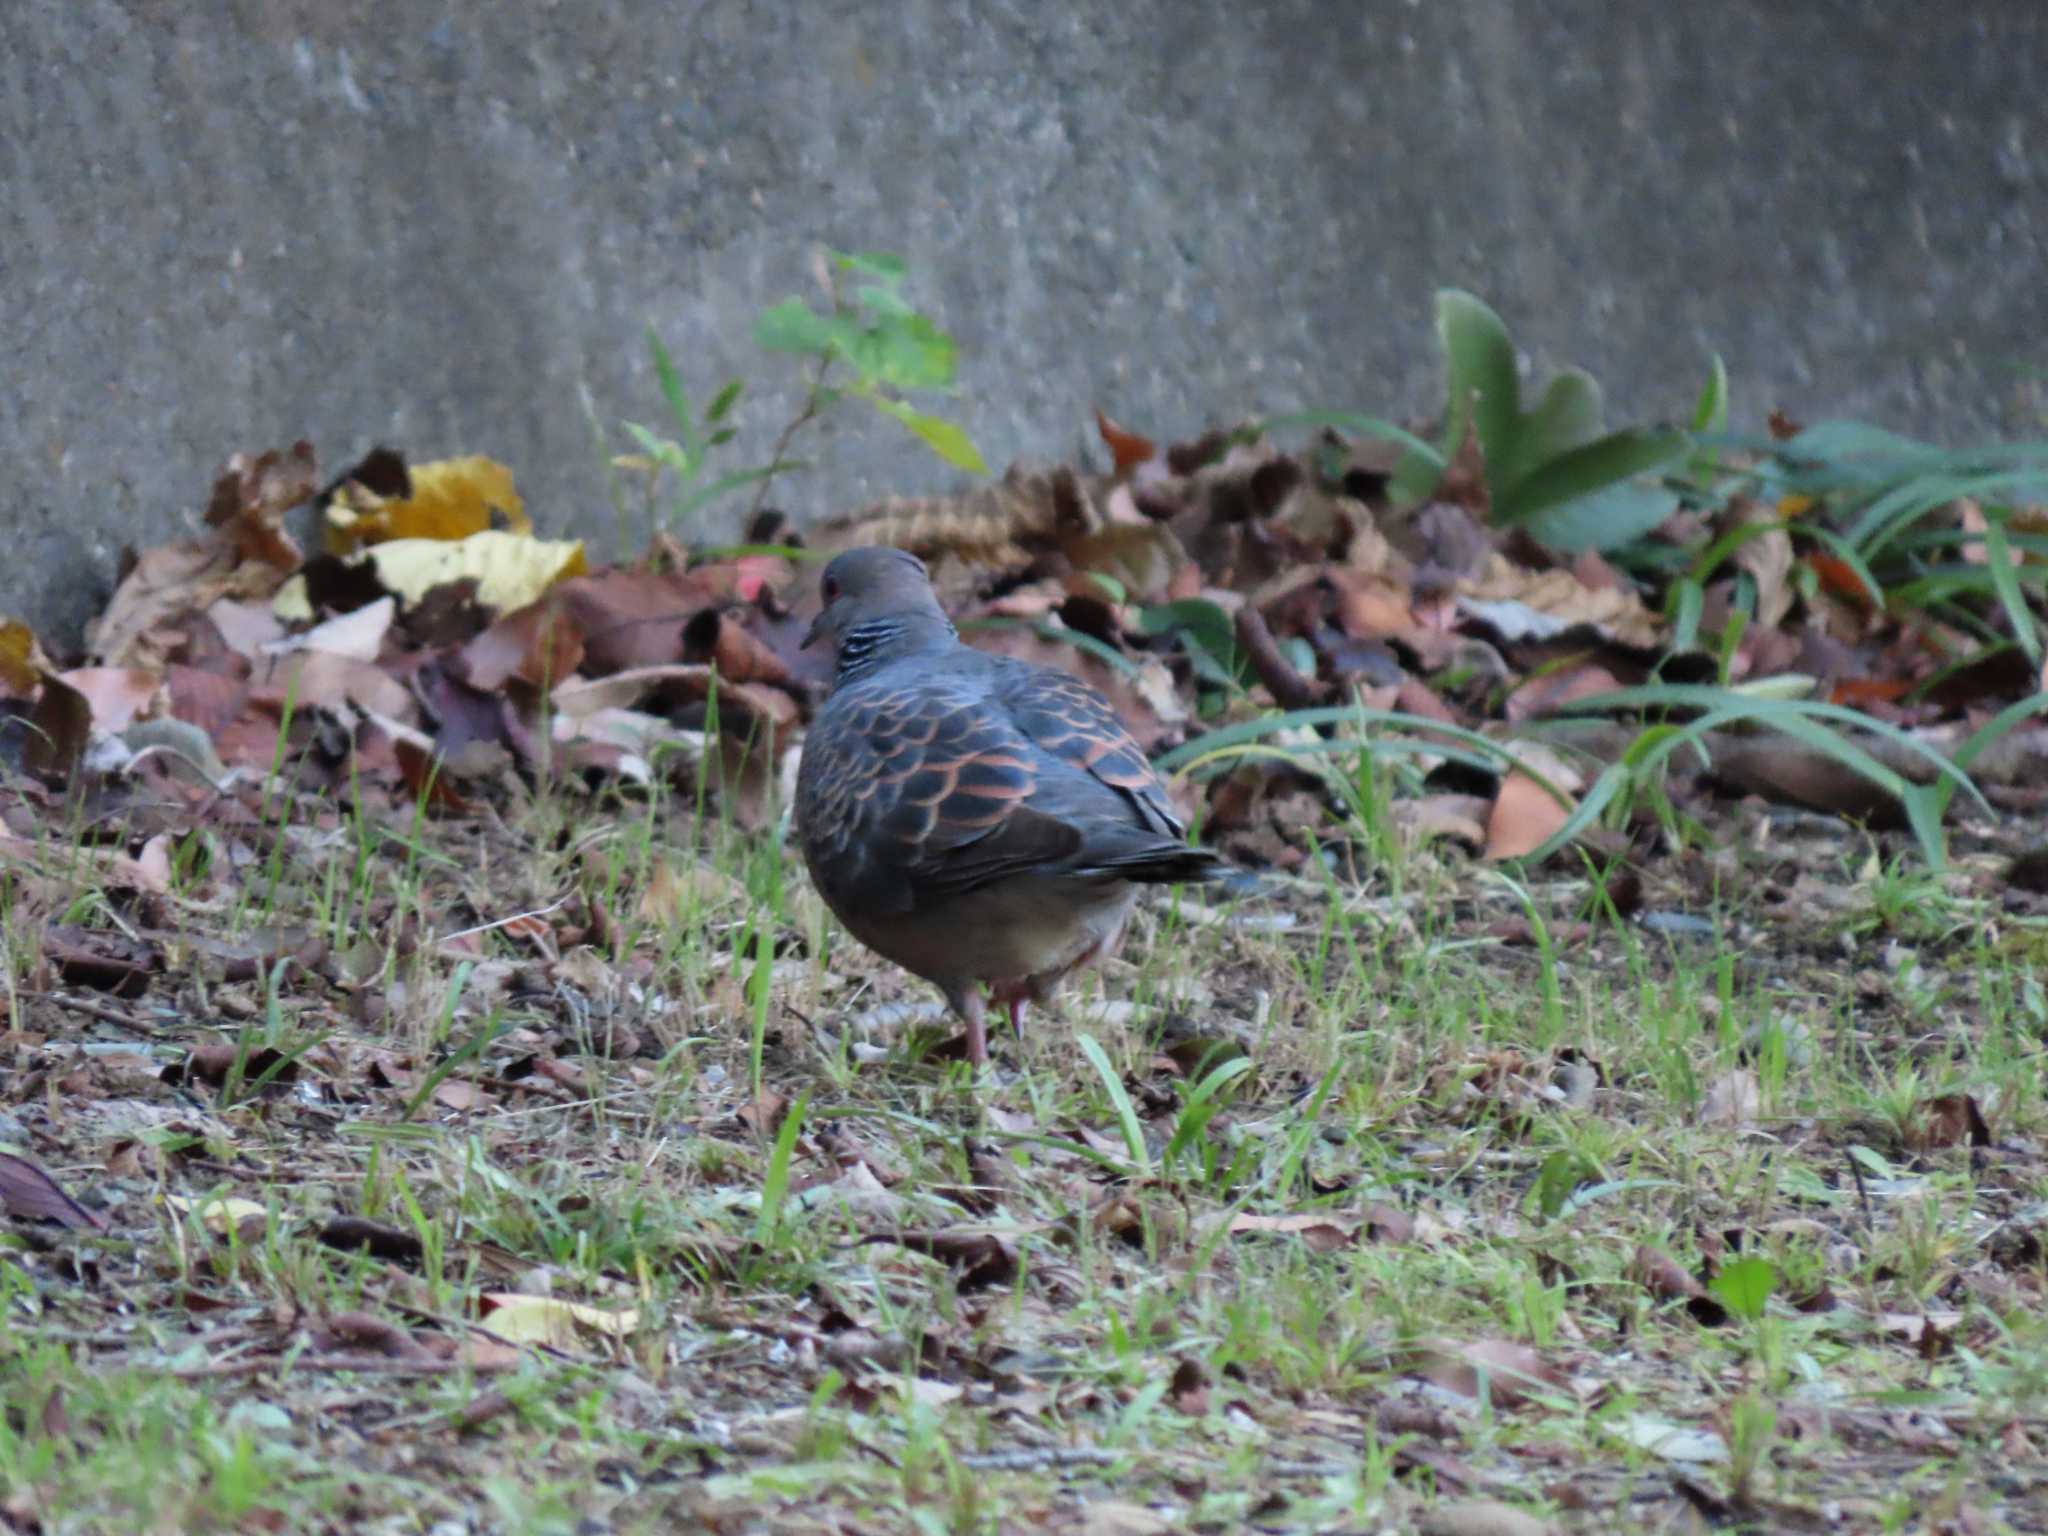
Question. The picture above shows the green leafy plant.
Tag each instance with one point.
(1553, 469)
(1744, 1287)
(687, 455)
(867, 331)
(891, 349)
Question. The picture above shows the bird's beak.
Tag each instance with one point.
(814, 633)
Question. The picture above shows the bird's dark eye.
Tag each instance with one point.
(831, 590)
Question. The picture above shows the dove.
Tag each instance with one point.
(975, 819)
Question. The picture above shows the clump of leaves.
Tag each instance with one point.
(687, 455)
(867, 327)
(1553, 469)
(891, 348)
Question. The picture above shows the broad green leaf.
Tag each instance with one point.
(1560, 1174)
(948, 441)
(1603, 521)
(793, 326)
(1568, 416)
(1596, 466)
(1111, 587)
(904, 352)
(883, 300)
(1479, 365)
(1481, 362)
(1745, 1287)
(1837, 441)
(1206, 629)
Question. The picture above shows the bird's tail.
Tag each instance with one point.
(1168, 864)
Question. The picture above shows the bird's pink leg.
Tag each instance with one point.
(973, 1013)
(1011, 996)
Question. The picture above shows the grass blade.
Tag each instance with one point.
(1126, 1111)
(775, 1183)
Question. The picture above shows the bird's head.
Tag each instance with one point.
(875, 599)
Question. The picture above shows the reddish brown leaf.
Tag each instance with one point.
(214, 1062)
(356, 1234)
(1506, 1372)
(981, 1259)
(31, 1194)
(1947, 1120)
(59, 726)
(251, 497)
(632, 618)
(1840, 578)
(1667, 1280)
(738, 654)
(118, 696)
(1189, 1389)
(425, 777)
(1548, 692)
(1862, 692)
(204, 697)
(1127, 448)
(539, 645)
(1523, 818)
(105, 961)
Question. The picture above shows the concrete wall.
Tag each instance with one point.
(228, 223)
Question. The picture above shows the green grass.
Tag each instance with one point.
(865, 1293)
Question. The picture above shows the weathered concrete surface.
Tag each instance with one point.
(228, 223)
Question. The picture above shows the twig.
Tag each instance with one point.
(516, 917)
(813, 403)
(1856, 1173)
(368, 1364)
(94, 1010)
(1289, 688)
(1284, 1468)
(1034, 1461)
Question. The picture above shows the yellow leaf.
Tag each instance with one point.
(19, 658)
(547, 1320)
(223, 1214)
(451, 499)
(511, 569)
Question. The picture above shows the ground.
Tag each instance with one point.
(554, 1164)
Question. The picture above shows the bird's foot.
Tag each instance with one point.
(1011, 996)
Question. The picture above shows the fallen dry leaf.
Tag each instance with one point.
(1506, 1373)
(30, 1194)
(550, 1320)
(1947, 1120)
(447, 500)
(1523, 817)
(1734, 1098)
